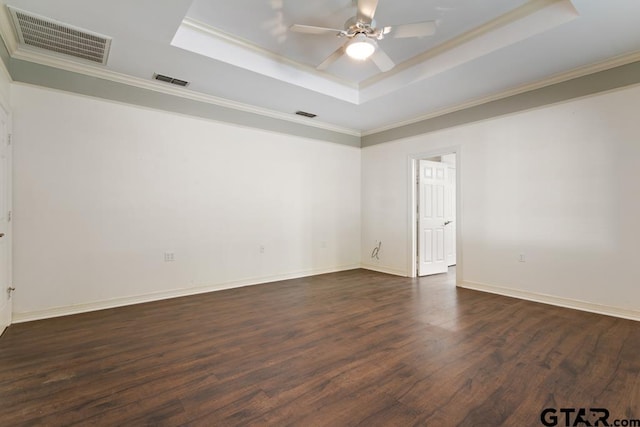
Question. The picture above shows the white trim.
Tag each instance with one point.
(528, 20)
(614, 62)
(198, 39)
(157, 296)
(21, 53)
(412, 200)
(93, 71)
(102, 73)
(11, 42)
(459, 216)
(531, 18)
(553, 300)
(497, 23)
(245, 44)
(383, 269)
(9, 208)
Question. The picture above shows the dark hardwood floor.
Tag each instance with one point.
(343, 349)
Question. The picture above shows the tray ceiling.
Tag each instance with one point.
(242, 54)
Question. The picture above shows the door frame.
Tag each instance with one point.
(9, 184)
(412, 226)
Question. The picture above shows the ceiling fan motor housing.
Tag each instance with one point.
(353, 26)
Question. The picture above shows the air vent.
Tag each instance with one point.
(44, 33)
(305, 114)
(171, 80)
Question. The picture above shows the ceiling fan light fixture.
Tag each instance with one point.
(360, 47)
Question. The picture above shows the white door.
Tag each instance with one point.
(432, 183)
(5, 242)
(450, 216)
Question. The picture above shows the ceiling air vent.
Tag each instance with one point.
(171, 80)
(44, 33)
(305, 114)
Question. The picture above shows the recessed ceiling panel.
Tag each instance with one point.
(266, 25)
(461, 41)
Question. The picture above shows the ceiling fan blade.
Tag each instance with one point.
(331, 59)
(367, 9)
(382, 60)
(309, 29)
(419, 29)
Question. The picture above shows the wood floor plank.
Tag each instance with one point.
(349, 348)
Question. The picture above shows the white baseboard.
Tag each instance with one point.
(383, 269)
(554, 300)
(157, 296)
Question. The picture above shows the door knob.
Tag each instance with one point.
(447, 222)
(1, 234)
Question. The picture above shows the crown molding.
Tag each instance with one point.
(554, 79)
(245, 44)
(204, 40)
(534, 17)
(17, 52)
(21, 53)
(102, 73)
(508, 18)
(417, 68)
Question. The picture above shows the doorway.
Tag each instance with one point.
(434, 207)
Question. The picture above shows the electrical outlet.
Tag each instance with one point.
(169, 257)
(522, 258)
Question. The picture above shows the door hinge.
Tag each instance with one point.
(9, 138)
(9, 216)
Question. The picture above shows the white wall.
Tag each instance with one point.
(103, 190)
(559, 184)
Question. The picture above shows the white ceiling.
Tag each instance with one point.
(241, 51)
(266, 26)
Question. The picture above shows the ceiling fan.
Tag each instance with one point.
(362, 33)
